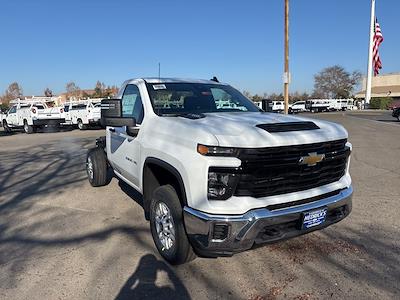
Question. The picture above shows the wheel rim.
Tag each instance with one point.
(26, 127)
(164, 226)
(80, 125)
(89, 167)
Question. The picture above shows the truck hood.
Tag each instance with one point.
(238, 129)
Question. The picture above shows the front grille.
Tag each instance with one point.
(276, 170)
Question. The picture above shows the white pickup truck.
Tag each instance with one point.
(82, 113)
(220, 180)
(298, 106)
(30, 115)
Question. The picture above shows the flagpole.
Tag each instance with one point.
(370, 54)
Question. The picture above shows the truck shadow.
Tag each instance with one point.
(142, 283)
(33, 229)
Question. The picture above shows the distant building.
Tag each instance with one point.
(387, 85)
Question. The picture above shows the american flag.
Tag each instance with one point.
(378, 39)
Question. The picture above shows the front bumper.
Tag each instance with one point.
(225, 235)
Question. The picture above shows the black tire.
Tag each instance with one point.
(96, 167)
(28, 128)
(181, 251)
(6, 127)
(81, 126)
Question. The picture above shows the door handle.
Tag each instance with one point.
(111, 129)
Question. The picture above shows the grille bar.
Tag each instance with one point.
(276, 170)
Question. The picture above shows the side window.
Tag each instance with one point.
(12, 110)
(132, 105)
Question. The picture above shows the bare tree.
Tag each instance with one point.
(13, 91)
(247, 94)
(276, 97)
(256, 97)
(72, 89)
(48, 92)
(335, 82)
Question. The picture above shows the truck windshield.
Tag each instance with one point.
(195, 98)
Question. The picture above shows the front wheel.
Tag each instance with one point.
(96, 167)
(166, 224)
(6, 127)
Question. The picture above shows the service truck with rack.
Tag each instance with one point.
(218, 180)
(82, 113)
(32, 113)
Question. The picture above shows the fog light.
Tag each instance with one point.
(220, 232)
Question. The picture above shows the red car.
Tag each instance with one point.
(394, 104)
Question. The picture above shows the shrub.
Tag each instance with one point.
(380, 103)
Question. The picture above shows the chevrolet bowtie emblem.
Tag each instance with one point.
(312, 159)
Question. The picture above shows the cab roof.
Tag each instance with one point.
(174, 80)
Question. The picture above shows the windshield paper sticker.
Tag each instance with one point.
(159, 87)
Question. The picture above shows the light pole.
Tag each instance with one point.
(286, 75)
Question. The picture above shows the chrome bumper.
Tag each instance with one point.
(258, 226)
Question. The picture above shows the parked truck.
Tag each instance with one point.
(218, 180)
(82, 113)
(30, 114)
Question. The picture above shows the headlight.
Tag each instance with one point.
(216, 151)
(221, 183)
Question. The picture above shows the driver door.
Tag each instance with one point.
(12, 118)
(123, 149)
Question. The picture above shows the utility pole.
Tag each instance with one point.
(286, 75)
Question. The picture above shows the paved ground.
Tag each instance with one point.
(62, 239)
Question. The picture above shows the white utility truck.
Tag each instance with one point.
(31, 114)
(218, 180)
(82, 113)
(339, 104)
(318, 105)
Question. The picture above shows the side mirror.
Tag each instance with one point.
(111, 114)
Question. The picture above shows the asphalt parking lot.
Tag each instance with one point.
(62, 239)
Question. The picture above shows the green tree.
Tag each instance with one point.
(99, 90)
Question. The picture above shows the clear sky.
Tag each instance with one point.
(46, 43)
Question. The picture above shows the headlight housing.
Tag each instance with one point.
(216, 151)
(221, 183)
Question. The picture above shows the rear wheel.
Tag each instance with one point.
(166, 224)
(96, 167)
(81, 126)
(28, 128)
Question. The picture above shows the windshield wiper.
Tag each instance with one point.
(192, 116)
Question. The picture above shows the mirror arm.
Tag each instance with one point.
(132, 131)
